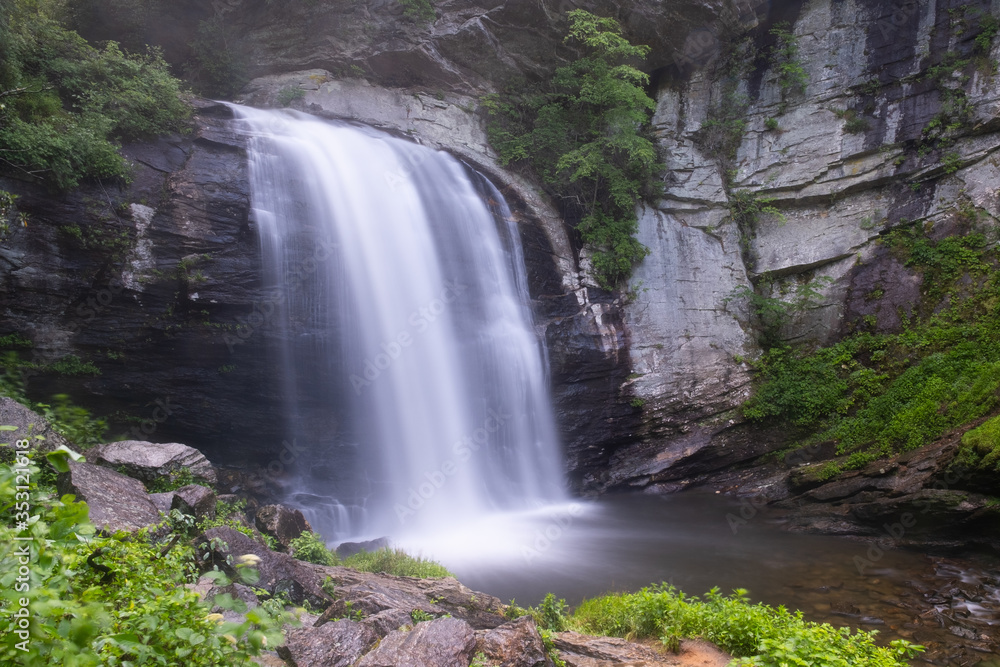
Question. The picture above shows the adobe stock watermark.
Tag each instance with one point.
(20, 615)
(560, 520)
(263, 310)
(163, 410)
(893, 532)
(463, 450)
(419, 321)
(751, 506)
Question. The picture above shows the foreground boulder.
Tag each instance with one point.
(148, 461)
(116, 501)
(28, 425)
(279, 573)
(443, 642)
(196, 500)
(371, 594)
(338, 644)
(282, 523)
(514, 644)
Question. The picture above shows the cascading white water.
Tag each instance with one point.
(401, 300)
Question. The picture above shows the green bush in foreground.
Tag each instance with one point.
(756, 634)
(396, 562)
(311, 547)
(113, 601)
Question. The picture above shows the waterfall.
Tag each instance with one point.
(402, 312)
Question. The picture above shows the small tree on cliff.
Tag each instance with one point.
(585, 133)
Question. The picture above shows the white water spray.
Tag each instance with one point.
(403, 300)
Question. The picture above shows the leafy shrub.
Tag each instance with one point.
(585, 134)
(174, 480)
(396, 562)
(72, 421)
(67, 103)
(117, 600)
(785, 59)
(288, 95)
(232, 515)
(421, 11)
(981, 446)
(757, 634)
(311, 547)
(880, 394)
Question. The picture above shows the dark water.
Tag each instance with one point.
(623, 543)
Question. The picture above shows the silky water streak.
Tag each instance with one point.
(403, 305)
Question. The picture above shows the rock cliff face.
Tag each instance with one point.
(646, 387)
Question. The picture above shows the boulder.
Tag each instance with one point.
(148, 461)
(372, 594)
(281, 523)
(162, 501)
(386, 621)
(29, 425)
(337, 644)
(116, 501)
(513, 644)
(278, 572)
(196, 500)
(443, 642)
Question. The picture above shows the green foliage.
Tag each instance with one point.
(289, 94)
(880, 394)
(746, 209)
(721, 133)
(771, 124)
(419, 11)
(72, 366)
(784, 54)
(981, 447)
(397, 562)
(551, 613)
(65, 104)
(585, 134)
(311, 547)
(219, 65)
(15, 340)
(175, 480)
(949, 78)
(232, 515)
(757, 634)
(9, 216)
(951, 162)
(118, 600)
(419, 616)
(72, 421)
